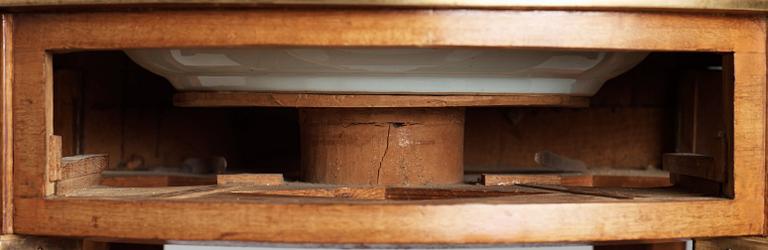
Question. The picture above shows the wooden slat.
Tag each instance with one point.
(256, 99)
(6, 125)
(512, 179)
(577, 180)
(452, 222)
(255, 179)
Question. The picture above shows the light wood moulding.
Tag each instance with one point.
(457, 221)
(299, 100)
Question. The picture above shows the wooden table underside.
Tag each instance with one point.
(574, 219)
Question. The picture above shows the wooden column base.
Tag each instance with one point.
(382, 146)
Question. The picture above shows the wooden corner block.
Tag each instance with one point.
(696, 165)
(53, 162)
(67, 186)
(255, 179)
(71, 173)
(78, 166)
(513, 179)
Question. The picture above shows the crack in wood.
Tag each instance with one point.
(381, 162)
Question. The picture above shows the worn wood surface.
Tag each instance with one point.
(449, 222)
(385, 223)
(256, 179)
(738, 6)
(80, 165)
(6, 126)
(393, 146)
(255, 99)
(577, 180)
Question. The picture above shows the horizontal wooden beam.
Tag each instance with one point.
(256, 99)
(383, 222)
(254, 179)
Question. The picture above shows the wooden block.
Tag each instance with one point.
(256, 179)
(67, 186)
(53, 161)
(77, 166)
(696, 165)
(513, 179)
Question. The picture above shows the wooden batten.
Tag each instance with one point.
(300, 100)
(6, 125)
(577, 180)
(254, 179)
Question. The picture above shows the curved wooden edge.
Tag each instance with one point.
(299, 100)
(467, 223)
(638, 5)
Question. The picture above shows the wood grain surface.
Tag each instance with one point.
(299, 100)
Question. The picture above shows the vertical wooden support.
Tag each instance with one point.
(6, 139)
(390, 146)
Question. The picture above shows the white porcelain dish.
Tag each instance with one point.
(386, 70)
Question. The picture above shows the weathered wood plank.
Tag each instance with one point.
(6, 125)
(255, 179)
(384, 223)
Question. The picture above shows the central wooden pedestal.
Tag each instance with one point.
(382, 146)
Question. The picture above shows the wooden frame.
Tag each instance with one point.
(36, 36)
